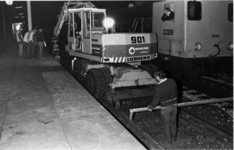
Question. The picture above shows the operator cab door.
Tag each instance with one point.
(76, 41)
(71, 34)
(86, 34)
(78, 31)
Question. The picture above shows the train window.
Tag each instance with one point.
(194, 10)
(168, 14)
(230, 12)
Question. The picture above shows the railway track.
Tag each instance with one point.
(213, 88)
(196, 128)
(193, 131)
(217, 83)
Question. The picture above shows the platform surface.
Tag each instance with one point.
(42, 107)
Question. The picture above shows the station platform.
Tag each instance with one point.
(42, 107)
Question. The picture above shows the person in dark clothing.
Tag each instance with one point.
(26, 45)
(168, 14)
(32, 41)
(40, 42)
(20, 41)
(166, 94)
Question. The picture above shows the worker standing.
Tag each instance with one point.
(32, 41)
(166, 94)
(20, 41)
(26, 46)
(40, 42)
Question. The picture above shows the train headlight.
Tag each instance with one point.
(230, 46)
(198, 46)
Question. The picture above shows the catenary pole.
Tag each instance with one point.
(29, 15)
(3, 17)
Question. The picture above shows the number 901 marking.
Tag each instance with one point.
(138, 39)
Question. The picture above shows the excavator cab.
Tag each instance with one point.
(83, 23)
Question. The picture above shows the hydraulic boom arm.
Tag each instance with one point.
(61, 20)
(64, 12)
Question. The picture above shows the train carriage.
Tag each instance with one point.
(197, 40)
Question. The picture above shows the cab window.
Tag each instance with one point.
(70, 25)
(194, 10)
(169, 13)
(88, 19)
(147, 25)
(230, 12)
(98, 18)
(86, 24)
(77, 22)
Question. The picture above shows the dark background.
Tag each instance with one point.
(44, 13)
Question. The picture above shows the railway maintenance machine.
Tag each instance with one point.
(107, 63)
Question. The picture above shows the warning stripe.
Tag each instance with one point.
(116, 59)
(126, 59)
(120, 59)
(113, 59)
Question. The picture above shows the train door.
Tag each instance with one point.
(168, 23)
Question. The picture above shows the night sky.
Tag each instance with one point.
(44, 13)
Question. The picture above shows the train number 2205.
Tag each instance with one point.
(168, 31)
